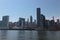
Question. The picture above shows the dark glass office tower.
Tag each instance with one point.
(31, 19)
(22, 22)
(38, 17)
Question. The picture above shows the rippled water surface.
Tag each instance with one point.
(29, 35)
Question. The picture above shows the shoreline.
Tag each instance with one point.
(29, 29)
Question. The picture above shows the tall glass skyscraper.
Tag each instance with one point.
(38, 17)
(5, 21)
(31, 19)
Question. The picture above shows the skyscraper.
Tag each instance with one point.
(58, 21)
(0, 23)
(38, 17)
(34, 21)
(52, 21)
(5, 21)
(27, 23)
(31, 19)
(42, 21)
(22, 22)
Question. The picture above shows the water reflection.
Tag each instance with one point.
(51, 35)
(42, 35)
(12, 35)
(3, 35)
(29, 35)
(20, 35)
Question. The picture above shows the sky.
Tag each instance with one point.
(26, 8)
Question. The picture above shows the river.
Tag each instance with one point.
(29, 35)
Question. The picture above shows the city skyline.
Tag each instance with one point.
(40, 22)
(19, 8)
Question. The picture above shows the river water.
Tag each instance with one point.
(29, 35)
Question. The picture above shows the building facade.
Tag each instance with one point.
(31, 19)
(5, 21)
(42, 21)
(22, 22)
(0, 23)
(38, 17)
